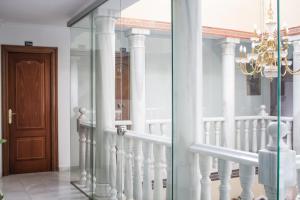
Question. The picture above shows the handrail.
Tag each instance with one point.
(224, 153)
(283, 118)
(144, 137)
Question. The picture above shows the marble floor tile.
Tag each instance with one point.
(40, 186)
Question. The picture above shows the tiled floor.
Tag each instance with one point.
(40, 186)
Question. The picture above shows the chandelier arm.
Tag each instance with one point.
(290, 71)
(244, 70)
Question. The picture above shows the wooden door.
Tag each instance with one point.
(122, 85)
(28, 109)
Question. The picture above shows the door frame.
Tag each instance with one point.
(5, 50)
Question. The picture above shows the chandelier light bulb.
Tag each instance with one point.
(245, 50)
(255, 27)
(258, 32)
(241, 48)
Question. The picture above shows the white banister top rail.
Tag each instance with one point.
(144, 137)
(223, 153)
(283, 118)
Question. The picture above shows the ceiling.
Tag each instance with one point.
(47, 12)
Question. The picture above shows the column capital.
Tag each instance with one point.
(229, 41)
(137, 31)
(105, 24)
(137, 37)
(228, 45)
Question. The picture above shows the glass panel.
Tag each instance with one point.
(109, 147)
(81, 106)
(144, 40)
(289, 99)
(223, 82)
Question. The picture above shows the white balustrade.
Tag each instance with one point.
(248, 161)
(139, 165)
(144, 179)
(250, 131)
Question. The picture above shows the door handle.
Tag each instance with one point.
(10, 115)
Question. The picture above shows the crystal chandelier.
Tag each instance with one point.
(263, 59)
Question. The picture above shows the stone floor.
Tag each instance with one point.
(40, 186)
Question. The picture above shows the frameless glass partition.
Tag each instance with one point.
(82, 170)
(225, 86)
(288, 98)
(121, 125)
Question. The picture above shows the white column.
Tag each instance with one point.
(136, 39)
(228, 62)
(105, 96)
(296, 98)
(187, 96)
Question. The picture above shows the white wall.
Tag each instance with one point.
(50, 36)
(244, 104)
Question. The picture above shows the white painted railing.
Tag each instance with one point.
(250, 131)
(142, 168)
(139, 164)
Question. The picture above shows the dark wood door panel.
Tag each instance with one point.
(30, 92)
(122, 85)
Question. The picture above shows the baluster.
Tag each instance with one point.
(254, 136)
(246, 138)
(163, 127)
(94, 163)
(247, 174)
(224, 169)
(148, 172)
(207, 128)
(263, 115)
(151, 128)
(263, 134)
(218, 142)
(158, 177)
(205, 168)
(128, 173)
(88, 161)
(289, 134)
(120, 167)
(169, 173)
(164, 159)
(238, 134)
(113, 169)
(107, 152)
(138, 178)
(82, 154)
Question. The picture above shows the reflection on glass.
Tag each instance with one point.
(121, 134)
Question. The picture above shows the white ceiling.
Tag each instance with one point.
(49, 12)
